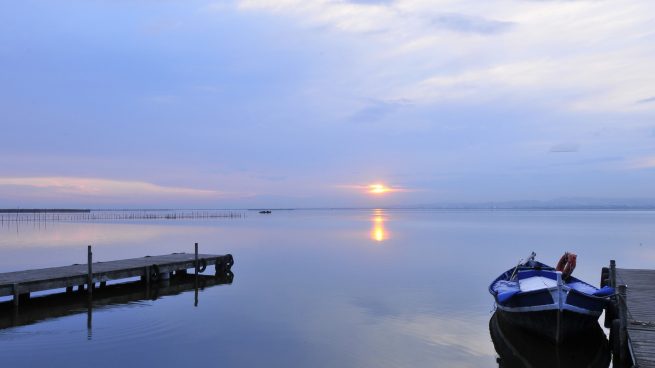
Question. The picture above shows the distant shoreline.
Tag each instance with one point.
(43, 210)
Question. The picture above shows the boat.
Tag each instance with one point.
(517, 348)
(547, 301)
(265, 211)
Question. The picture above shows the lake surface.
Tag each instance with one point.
(328, 288)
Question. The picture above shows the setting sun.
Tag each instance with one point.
(378, 189)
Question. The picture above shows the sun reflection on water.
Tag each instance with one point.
(378, 232)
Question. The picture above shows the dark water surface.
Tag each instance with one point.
(342, 288)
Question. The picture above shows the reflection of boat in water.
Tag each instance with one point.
(519, 349)
(46, 307)
(542, 300)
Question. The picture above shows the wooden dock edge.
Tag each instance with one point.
(150, 269)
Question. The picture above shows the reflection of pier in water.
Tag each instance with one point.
(51, 306)
(519, 349)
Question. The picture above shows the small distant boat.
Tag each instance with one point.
(517, 348)
(265, 211)
(548, 301)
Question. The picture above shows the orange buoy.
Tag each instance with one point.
(566, 264)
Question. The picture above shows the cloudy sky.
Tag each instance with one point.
(304, 103)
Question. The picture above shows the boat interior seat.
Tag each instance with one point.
(536, 283)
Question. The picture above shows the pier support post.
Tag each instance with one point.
(196, 260)
(195, 282)
(611, 311)
(89, 278)
(604, 277)
(623, 324)
(613, 273)
(146, 278)
(16, 295)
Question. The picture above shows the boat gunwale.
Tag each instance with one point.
(543, 267)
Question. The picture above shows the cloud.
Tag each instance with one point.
(343, 16)
(575, 55)
(93, 187)
(464, 23)
(375, 2)
(647, 100)
(375, 188)
(371, 16)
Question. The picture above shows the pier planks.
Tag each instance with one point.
(641, 313)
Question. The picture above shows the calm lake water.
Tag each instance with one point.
(329, 288)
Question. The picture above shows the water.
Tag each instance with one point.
(330, 288)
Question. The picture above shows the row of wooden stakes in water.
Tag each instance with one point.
(130, 215)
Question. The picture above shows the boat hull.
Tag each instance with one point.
(519, 349)
(555, 325)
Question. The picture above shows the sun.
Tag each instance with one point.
(378, 189)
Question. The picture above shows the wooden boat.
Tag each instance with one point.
(517, 348)
(538, 299)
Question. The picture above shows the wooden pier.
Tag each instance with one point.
(150, 269)
(631, 317)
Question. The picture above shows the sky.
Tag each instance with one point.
(306, 103)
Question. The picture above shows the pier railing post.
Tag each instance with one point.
(89, 278)
(623, 324)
